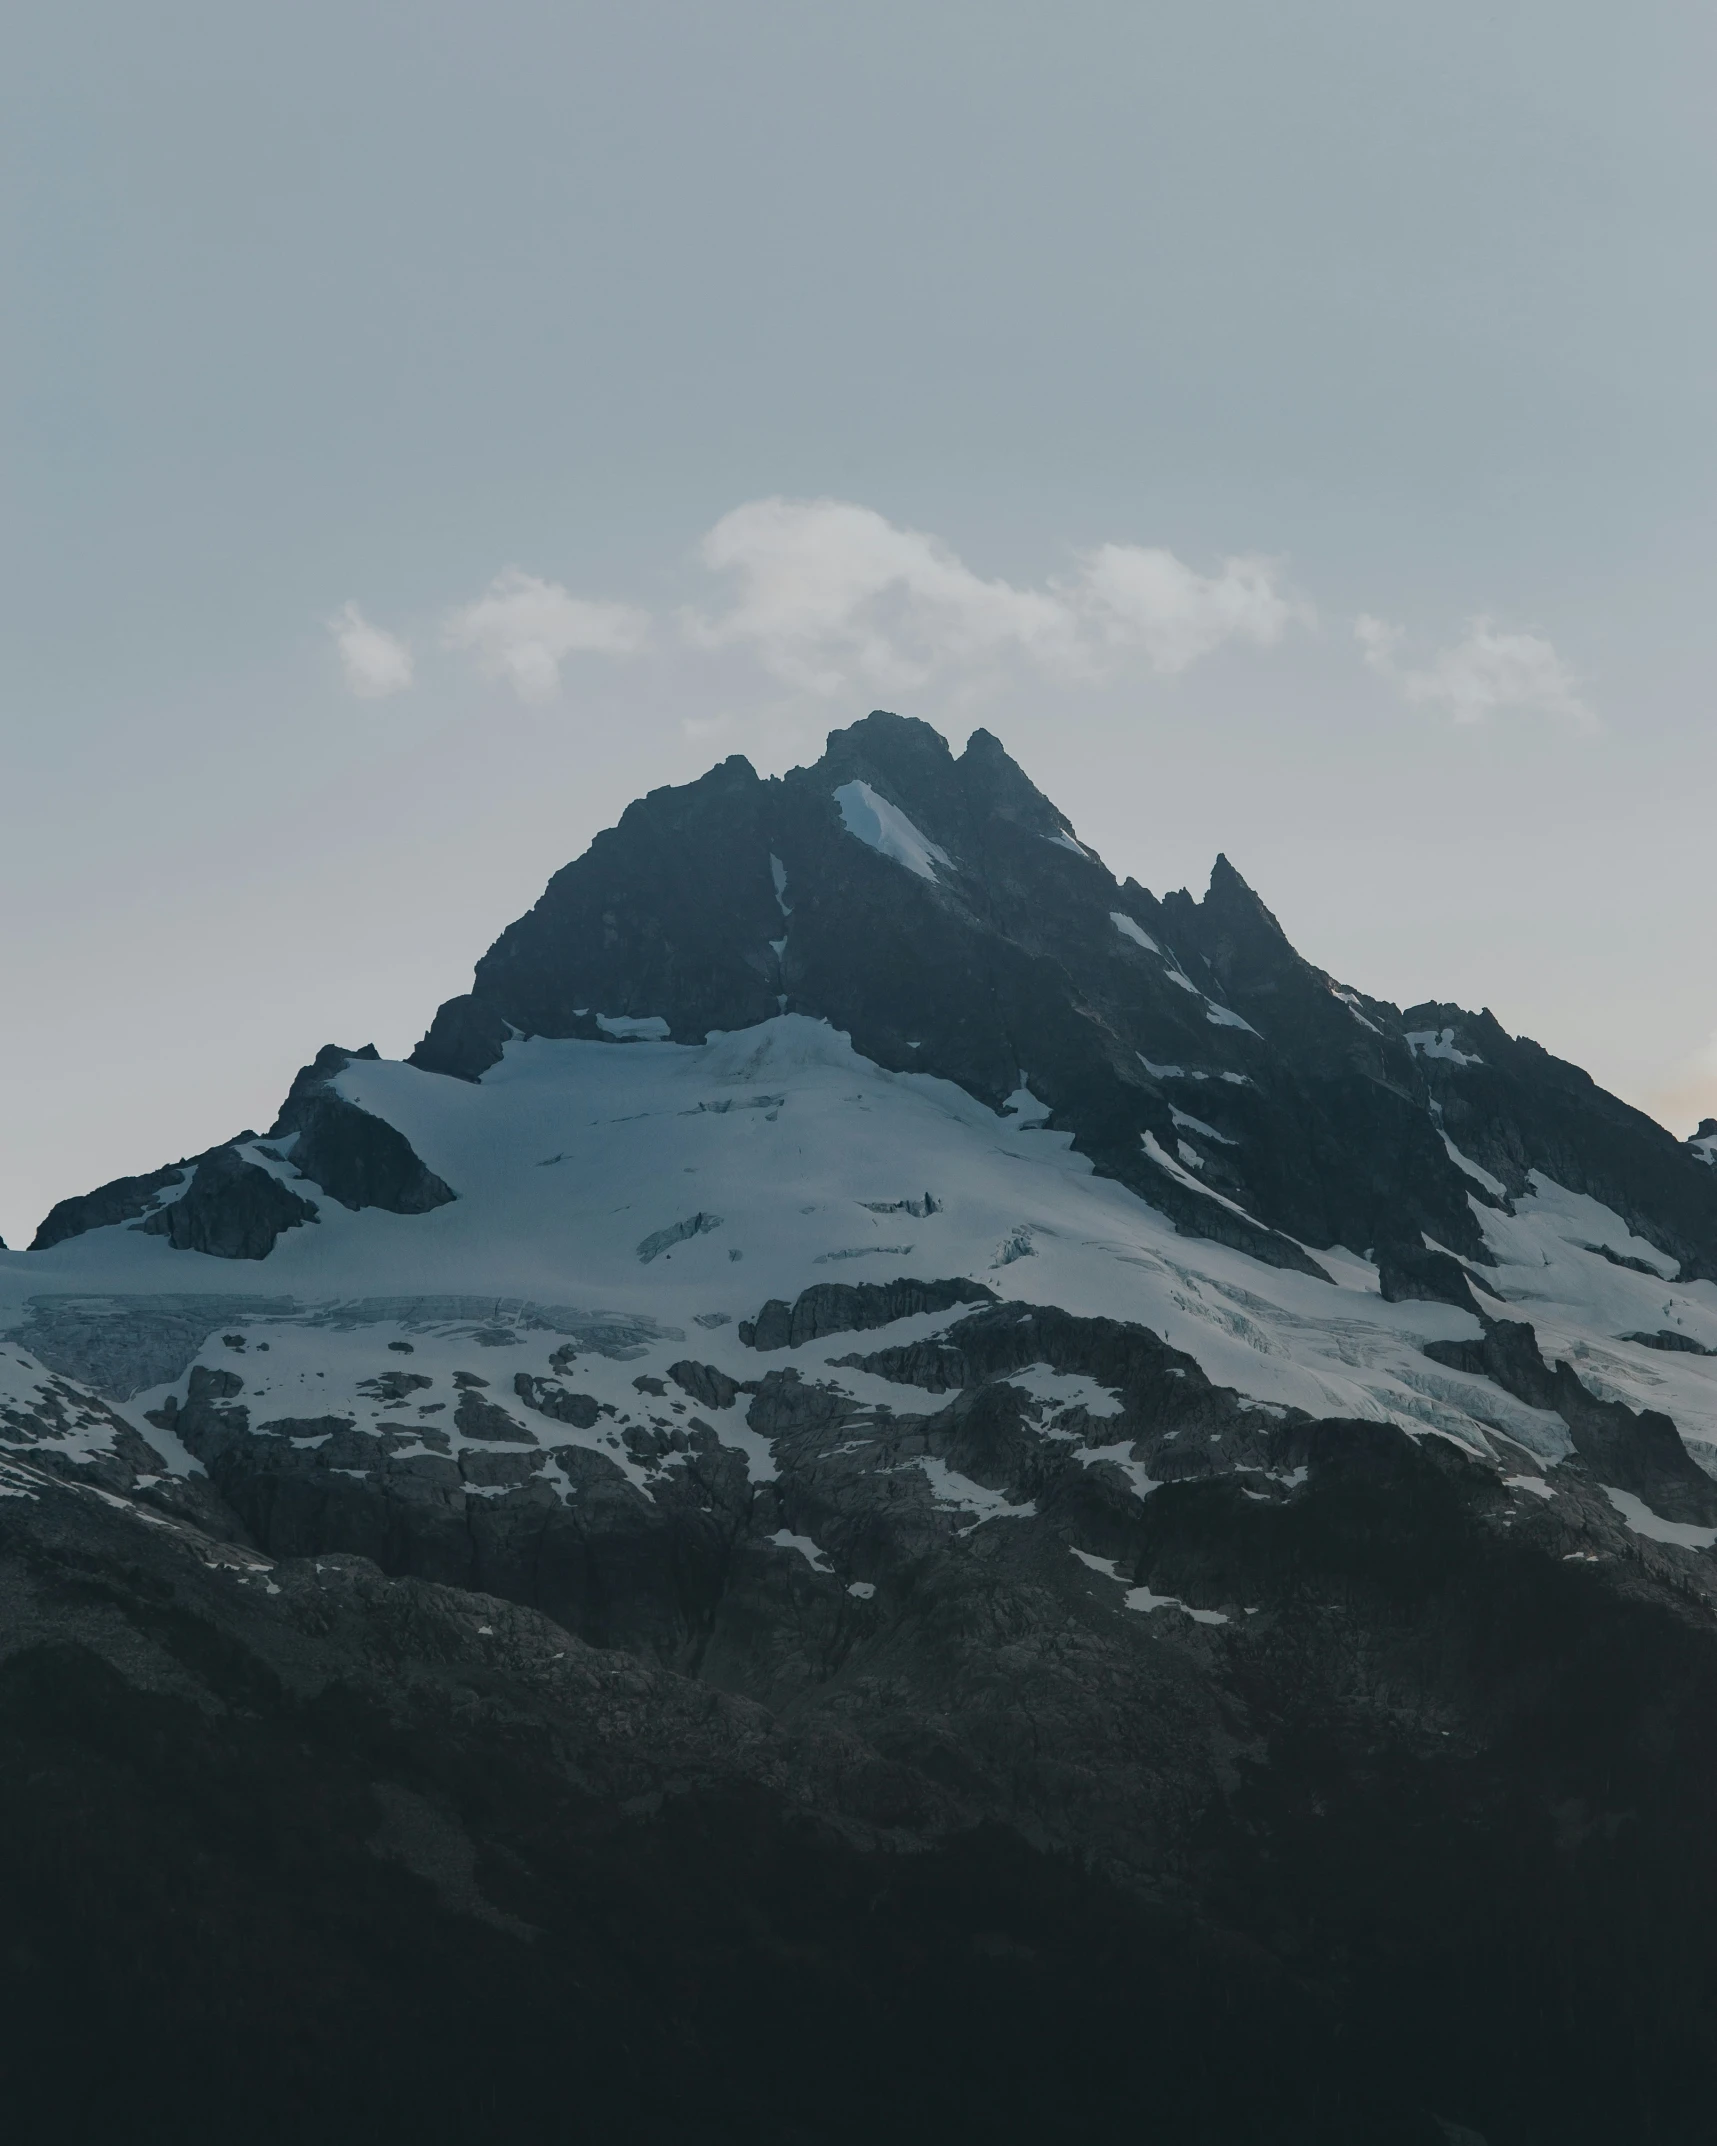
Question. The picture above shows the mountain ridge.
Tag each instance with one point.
(1014, 1376)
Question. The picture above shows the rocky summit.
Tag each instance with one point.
(892, 1491)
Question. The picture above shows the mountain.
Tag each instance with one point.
(892, 1489)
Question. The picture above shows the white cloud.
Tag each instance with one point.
(830, 594)
(1487, 670)
(376, 663)
(1148, 597)
(521, 629)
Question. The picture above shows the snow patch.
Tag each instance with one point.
(1350, 1000)
(785, 1539)
(1141, 1598)
(1129, 930)
(651, 1028)
(1120, 1455)
(1440, 1043)
(1023, 1107)
(1059, 1391)
(1188, 1123)
(959, 1493)
(1476, 1171)
(886, 829)
(1639, 1517)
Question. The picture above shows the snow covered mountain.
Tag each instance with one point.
(986, 1348)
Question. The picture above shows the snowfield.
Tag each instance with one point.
(639, 1199)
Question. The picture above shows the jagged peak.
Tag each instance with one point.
(996, 784)
(883, 730)
(331, 1059)
(1230, 899)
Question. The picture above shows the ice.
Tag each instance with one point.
(1063, 1390)
(884, 827)
(1141, 1598)
(1350, 1000)
(785, 1539)
(1129, 930)
(1639, 1516)
(1588, 1222)
(959, 1493)
(650, 1029)
(544, 1258)
(1155, 1150)
(1023, 1107)
(1476, 1171)
(1440, 1043)
(1190, 1124)
(1120, 1455)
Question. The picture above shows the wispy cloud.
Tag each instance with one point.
(1143, 597)
(522, 629)
(1486, 671)
(375, 662)
(829, 595)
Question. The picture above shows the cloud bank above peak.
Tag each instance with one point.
(830, 599)
(829, 594)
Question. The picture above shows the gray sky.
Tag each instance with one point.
(1289, 427)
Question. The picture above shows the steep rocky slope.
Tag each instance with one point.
(894, 1489)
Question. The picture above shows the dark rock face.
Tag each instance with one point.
(843, 1307)
(357, 1158)
(233, 1210)
(1678, 1344)
(1314, 1104)
(352, 1155)
(559, 1403)
(333, 1811)
(1407, 1271)
(670, 913)
(1639, 1451)
(122, 1201)
(1513, 1108)
(1421, 1832)
(478, 1418)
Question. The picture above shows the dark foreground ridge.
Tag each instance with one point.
(395, 1859)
